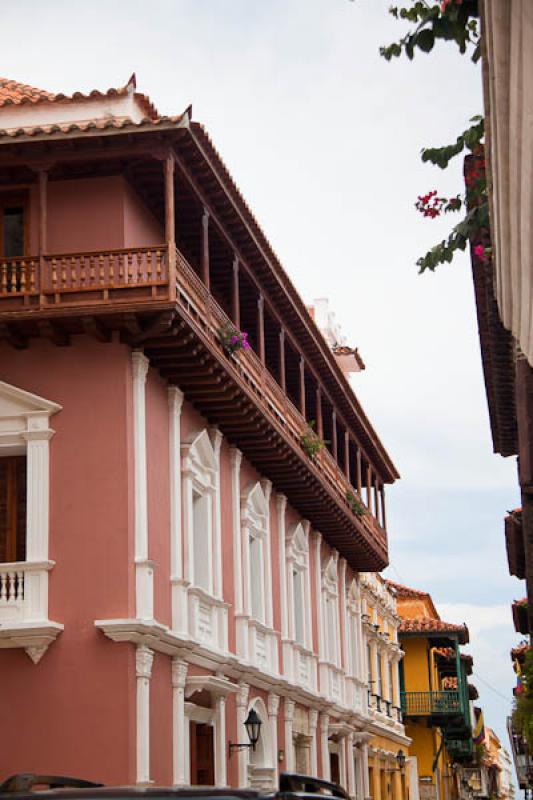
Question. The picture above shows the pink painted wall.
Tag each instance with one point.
(157, 464)
(141, 229)
(93, 214)
(73, 710)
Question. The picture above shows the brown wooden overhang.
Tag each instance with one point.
(514, 542)
(520, 616)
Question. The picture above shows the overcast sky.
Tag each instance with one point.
(323, 138)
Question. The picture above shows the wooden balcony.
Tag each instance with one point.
(431, 704)
(158, 302)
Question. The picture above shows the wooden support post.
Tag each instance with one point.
(261, 327)
(347, 456)
(302, 387)
(376, 499)
(282, 375)
(235, 298)
(319, 421)
(170, 222)
(383, 514)
(334, 435)
(43, 211)
(205, 249)
(369, 487)
(358, 472)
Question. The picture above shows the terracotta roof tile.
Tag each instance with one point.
(14, 93)
(406, 591)
(88, 126)
(344, 350)
(426, 625)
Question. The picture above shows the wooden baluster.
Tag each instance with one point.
(111, 269)
(13, 277)
(101, 270)
(54, 274)
(32, 276)
(72, 271)
(121, 268)
(63, 273)
(149, 266)
(3, 283)
(23, 267)
(158, 265)
(3, 586)
(92, 271)
(83, 272)
(130, 267)
(10, 587)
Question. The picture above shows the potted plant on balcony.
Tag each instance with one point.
(311, 441)
(357, 507)
(232, 339)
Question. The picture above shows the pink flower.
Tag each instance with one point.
(479, 252)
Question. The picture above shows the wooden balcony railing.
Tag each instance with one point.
(82, 278)
(142, 275)
(417, 704)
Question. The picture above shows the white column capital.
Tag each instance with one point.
(266, 486)
(324, 723)
(313, 718)
(179, 673)
(235, 457)
(216, 437)
(289, 709)
(273, 704)
(175, 399)
(144, 658)
(281, 502)
(140, 365)
(242, 695)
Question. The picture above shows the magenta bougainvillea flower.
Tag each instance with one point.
(479, 252)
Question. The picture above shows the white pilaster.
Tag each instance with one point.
(179, 676)
(175, 403)
(38, 491)
(236, 458)
(221, 754)
(350, 754)
(313, 722)
(281, 503)
(267, 489)
(143, 661)
(289, 744)
(342, 761)
(273, 710)
(343, 617)
(144, 576)
(242, 704)
(319, 610)
(216, 438)
(324, 746)
(366, 780)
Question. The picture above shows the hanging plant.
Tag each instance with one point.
(311, 441)
(232, 339)
(357, 507)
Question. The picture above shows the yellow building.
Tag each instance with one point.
(387, 746)
(434, 693)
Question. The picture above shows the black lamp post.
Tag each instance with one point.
(252, 724)
(400, 758)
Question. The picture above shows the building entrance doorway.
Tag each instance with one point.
(334, 766)
(202, 754)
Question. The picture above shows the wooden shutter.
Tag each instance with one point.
(12, 509)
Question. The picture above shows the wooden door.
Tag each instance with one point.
(12, 509)
(202, 754)
(335, 768)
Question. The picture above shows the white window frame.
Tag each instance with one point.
(207, 611)
(256, 639)
(299, 661)
(331, 674)
(25, 430)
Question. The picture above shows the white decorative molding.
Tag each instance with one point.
(216, 439)
(324, 746)
(143, 663)
(281, 504)
(236, 459)
(25, 429)
(242, 703)
(288, 708)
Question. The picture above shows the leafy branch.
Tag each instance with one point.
(450, 20)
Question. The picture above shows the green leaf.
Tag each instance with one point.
(425, 40)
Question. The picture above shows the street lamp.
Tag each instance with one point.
(252, 723)
(400, 758)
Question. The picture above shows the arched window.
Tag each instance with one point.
(330, 611)
(254, 522)
(298, 589)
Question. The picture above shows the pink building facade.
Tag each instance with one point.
(173, 557)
